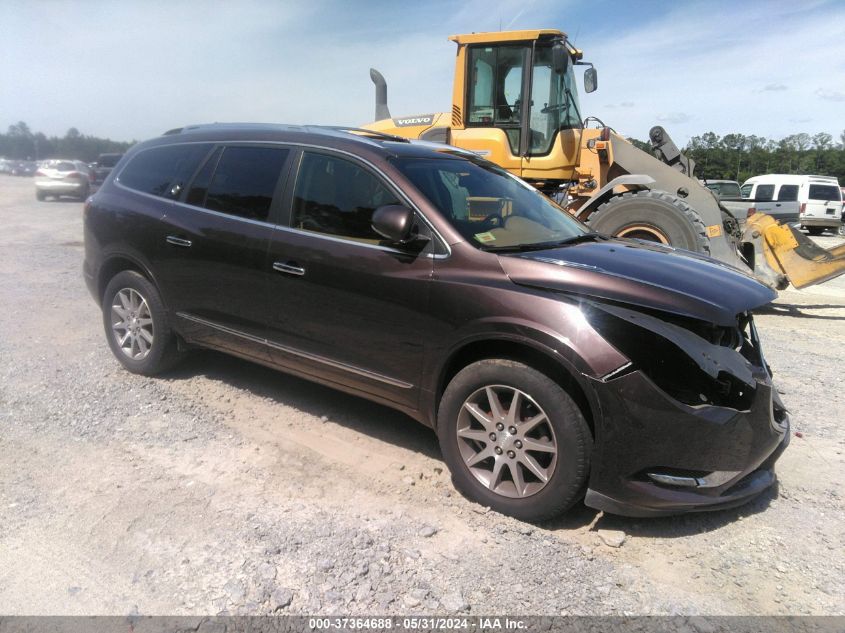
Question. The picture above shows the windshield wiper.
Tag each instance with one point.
(591, 236)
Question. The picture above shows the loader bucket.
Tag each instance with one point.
(790, 253)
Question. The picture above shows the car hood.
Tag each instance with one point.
(641, 274)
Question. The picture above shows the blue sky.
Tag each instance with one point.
(131, 69)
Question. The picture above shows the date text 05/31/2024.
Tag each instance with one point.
(416, 623)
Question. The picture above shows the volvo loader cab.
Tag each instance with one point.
(515, 102)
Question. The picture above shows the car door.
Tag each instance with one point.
(345, 307)
(214, 240)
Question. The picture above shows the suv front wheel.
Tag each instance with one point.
(135, 321)
(514, 439)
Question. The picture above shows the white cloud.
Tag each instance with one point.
(696, 61)
(829, 95)
(773, 88)
(674, 117)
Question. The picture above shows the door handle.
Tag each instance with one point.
(289, 268)
(178, 241)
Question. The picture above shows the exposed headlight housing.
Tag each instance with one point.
(694, 362)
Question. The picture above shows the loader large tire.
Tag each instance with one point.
(655, 216)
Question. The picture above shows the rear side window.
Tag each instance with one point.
(199, 187)
(825, 193)
(157, 170)
(765, 193)
(788, 193)
(337, 197)
(245, 180)
(746, 190)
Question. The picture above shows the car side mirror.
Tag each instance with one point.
(395, 222)
(591, 79)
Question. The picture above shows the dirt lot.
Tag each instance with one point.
(226, 487)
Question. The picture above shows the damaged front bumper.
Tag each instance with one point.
(693, 423)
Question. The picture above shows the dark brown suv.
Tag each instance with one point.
(553, 363)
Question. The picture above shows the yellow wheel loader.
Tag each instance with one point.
(515, 102)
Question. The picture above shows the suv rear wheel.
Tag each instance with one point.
(135, 321)
(514, 439)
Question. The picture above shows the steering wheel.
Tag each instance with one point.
(494, 220)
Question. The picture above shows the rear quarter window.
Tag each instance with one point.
(155, 171)
(825, 193)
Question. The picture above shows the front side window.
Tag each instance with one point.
(245, 181)
(491, 208)
(158, 170)
(338, 197)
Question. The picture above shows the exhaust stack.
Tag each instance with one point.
(381, 95)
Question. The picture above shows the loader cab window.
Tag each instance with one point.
(554, 102)
(495, 98)
(495, 89)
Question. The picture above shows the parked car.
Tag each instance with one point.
(24, 168)
(842, 225)
(554, 363)
(58, 178)
(819, 197)
(785, 209)
(103, 165)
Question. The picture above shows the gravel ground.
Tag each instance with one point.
(225, 487)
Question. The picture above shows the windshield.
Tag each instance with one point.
(488, 206)
(554, 99)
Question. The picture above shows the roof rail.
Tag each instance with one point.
(358, 130)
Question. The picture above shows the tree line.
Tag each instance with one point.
(739, 156)
(21, 143)
(730, 157)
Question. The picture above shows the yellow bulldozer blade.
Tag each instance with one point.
(790, 253)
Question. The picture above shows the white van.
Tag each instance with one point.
(820, 197)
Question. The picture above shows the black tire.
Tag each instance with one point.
(816, 230)
(83, 195)
(40, 195)
(640, 212)
(162, 354)
(570, 433)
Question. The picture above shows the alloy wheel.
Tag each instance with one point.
(507, 441)
(132, 323)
